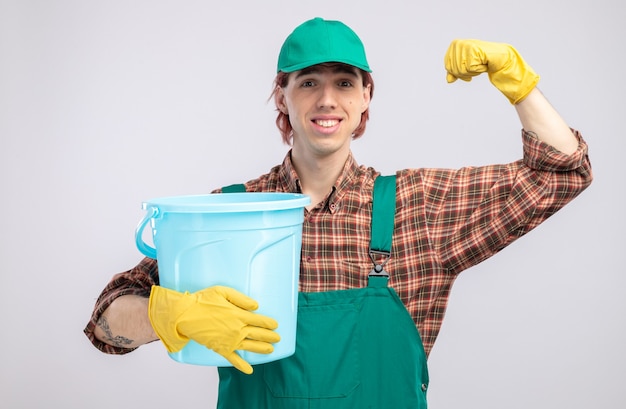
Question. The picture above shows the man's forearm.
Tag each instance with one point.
(538, 116)
(125, 323)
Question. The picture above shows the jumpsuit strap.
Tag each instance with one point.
(236, 188)
(383, 214)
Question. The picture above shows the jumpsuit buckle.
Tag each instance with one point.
(379, 268)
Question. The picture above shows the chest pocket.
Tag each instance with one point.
(324, 366)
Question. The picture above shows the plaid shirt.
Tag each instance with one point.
(446, 221)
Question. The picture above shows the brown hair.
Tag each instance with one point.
(282, 120)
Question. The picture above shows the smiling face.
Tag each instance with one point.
(324, 104)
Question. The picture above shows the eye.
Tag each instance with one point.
(307, 84)
(345, 83)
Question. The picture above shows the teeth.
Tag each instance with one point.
(327, 123)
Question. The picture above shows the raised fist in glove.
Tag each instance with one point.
(507, 69)
(219, 318)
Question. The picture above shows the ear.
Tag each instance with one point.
(367, 97)
(279, 100)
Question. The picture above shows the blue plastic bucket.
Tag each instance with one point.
(248, 241)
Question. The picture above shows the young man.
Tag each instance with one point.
(367, 320)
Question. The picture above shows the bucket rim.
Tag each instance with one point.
(228, 202)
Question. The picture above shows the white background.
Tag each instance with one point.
(106, 104)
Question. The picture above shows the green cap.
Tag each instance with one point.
(318, 41)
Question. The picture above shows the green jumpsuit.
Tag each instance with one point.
(356, 348)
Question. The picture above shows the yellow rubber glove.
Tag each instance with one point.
(507, 69)
(219, 318)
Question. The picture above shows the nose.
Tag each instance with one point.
(327, 98)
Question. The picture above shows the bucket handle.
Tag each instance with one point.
(147, 250)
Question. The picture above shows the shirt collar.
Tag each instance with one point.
(288, 177)
(291, 182)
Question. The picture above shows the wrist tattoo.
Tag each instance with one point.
(117, 340)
